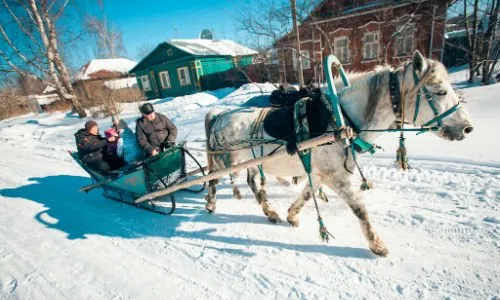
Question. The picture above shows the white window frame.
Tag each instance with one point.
(343, 54)
(400, 43)
(165, 83)
(146, 83)
(370, 45)
(186, 72)
(306, 59)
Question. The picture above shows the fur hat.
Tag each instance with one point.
(89, 124)
(147, 108)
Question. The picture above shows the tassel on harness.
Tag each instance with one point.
(401, 156)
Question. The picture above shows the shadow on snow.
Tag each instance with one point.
(78, 215)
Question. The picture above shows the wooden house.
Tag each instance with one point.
(363, 34)
(178, 67)
(96, 81)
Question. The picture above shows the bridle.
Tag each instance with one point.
(398, 94)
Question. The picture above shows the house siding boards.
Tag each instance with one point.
(343, 19)
(166, 57)
(216, 65)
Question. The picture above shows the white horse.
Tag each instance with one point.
(369, 106)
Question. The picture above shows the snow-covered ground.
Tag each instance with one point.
(440, 221)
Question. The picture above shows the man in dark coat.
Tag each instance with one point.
(154, 131)
(92, 148)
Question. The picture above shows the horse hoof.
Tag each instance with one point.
(210, 207)
(378, 248)
(293, 222)
(273, 217)
(380, 252)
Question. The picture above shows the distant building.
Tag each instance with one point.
(184, 66)
(457, 49)
(108, 68)
(42, 101)
(362, 34)
(94, 81)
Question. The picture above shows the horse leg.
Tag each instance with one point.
(261, 196)
(211, 196)
(236, 190)
(342, 185)
(306, 194)
(214, 163)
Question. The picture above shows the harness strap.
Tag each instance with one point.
(303, 134)
(417, 106)
(443, 115)
(258, 132)
(395, 93)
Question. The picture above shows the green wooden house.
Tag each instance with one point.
(177, 67)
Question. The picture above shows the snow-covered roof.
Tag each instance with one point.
(44, 99)
(211, 47)
(456, 33)
(49, 89)
(117, 65)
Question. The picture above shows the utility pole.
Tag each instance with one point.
(297, 40)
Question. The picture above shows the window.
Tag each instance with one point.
(183, 74)
(404, 40)
(165, 80)
(146, 86)
(306, 59)
(341, 48)
(370, 47)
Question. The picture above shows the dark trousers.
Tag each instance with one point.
(109, 163)
(114, 161)
(99, 166)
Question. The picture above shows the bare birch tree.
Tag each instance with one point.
(108, 38)
(143, 50)
(35, 49)
(297, 41)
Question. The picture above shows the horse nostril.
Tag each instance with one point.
(468, 129)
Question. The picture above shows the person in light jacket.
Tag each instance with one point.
(127, 146)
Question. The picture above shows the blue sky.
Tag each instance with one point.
(153, 21)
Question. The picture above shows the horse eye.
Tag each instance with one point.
(441, 93)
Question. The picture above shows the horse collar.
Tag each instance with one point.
(395, 93)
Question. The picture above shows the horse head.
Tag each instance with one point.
(432, 101)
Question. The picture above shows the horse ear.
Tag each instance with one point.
(419, 63)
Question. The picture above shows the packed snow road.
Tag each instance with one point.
(440, 221)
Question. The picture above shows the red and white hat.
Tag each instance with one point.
(110, 132)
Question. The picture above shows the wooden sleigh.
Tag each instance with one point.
(151, 183)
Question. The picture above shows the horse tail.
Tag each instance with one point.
(210, 119)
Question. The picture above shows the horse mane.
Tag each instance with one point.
(378, 81)
(378, 85)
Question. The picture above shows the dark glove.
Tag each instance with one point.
(291, 147)
(166, 145)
